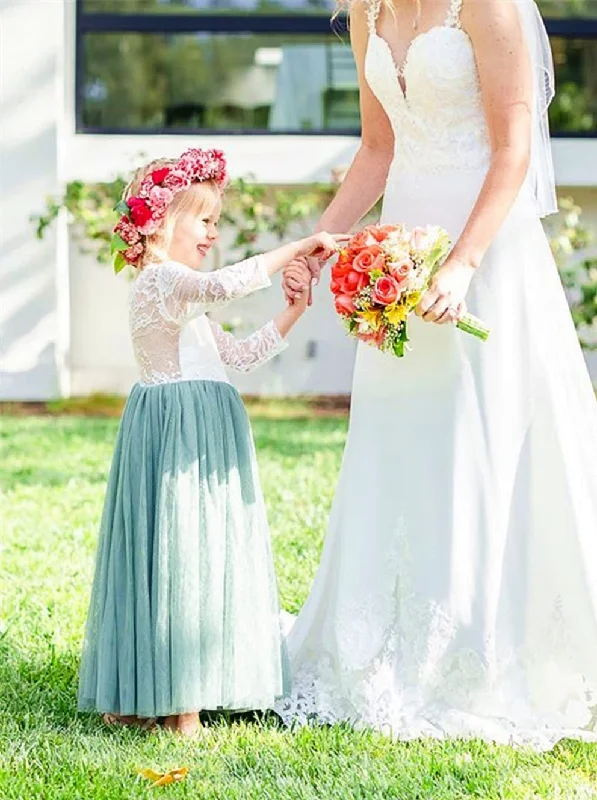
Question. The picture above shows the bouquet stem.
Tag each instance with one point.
(474, 326)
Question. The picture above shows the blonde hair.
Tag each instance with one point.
(202, 198)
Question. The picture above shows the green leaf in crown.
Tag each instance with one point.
(117, 244)
(119, 263)
(122, 208)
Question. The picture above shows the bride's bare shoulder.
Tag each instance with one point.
(490, 15)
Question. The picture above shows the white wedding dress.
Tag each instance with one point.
(457, 590)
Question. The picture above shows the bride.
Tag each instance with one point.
(457, 590)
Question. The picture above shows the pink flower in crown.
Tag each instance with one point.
(159, 199)
(190, 163)
(127, 231)
(147, 185)
(177, 180)
(134, 252)
(152, 225)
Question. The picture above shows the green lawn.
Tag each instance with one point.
(53, 471)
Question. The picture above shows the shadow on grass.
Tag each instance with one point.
(293, 438)
(42, 693)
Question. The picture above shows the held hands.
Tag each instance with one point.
(312, 253)
(297, 275)
(444, 301)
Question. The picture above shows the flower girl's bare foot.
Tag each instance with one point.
(184, 724)
(130, 721)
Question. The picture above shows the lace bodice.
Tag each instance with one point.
(433, 100)
(172, 338)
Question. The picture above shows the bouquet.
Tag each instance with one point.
(380, 277)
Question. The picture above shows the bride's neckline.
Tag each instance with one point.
(400, 68)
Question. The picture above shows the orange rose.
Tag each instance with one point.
(336, 286)
(381, 232)
(371, 257)
(354, 282)
(386, 290)
(360, 240)
(344, 305)
(341, 268)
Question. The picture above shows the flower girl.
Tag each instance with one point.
(184, 611)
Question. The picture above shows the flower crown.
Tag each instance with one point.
(143, 214)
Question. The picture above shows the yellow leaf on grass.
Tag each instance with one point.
(164, 778)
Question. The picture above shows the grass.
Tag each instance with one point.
(52, 481)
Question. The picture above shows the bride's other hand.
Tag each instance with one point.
(444, 301)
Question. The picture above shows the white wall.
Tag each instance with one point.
(33, 341)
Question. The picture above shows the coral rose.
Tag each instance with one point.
(371, 257)
(354, 282)
(386, 290)
(401, 270)
(344, 305)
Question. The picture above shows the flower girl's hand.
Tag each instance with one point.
(321, 245)
(296, 278)
(444, 301)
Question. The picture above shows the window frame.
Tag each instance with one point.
(292, 23)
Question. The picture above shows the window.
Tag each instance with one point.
(266, 66)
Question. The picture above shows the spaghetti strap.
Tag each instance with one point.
(373, 9)
(453, 16)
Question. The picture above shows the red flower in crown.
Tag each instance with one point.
(141, 212)
(158, 176)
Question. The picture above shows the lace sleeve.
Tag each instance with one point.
(181, 287)
(245, 355)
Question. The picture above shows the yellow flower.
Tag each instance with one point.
(372, 318)
(395, 314)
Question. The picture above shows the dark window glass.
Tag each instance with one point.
(574, 109)
(209, 6)
(269, 82)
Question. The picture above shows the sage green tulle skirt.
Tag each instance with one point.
(184, 608)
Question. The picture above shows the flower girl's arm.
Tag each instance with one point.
(245, 355)
(229, 283)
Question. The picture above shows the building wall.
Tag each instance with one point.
(63, 317)
(32, 277)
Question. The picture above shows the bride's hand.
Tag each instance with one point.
(444, 301)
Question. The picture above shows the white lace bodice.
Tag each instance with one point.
(172, 338)
(433, 100)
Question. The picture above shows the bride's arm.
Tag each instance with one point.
(506, 85)
(365, 180)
